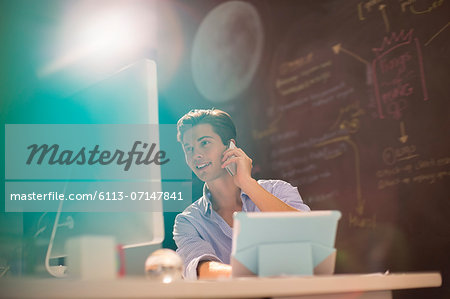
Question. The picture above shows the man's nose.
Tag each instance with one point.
(198, 153)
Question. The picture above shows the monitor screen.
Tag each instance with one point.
(126, 97)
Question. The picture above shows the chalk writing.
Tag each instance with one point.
(366, 7)
(302, 170)
(340, 95)
(321, 197)
(306, 84)
(362, 222)
(393, 155)
(408, 168)
(284, 81)
(271, 129)
(310, 142)
(429, 178)
(294, 65)
(418, 11)
(443, 161)
(315, 68)
(327, 92)
(309, 179)
(323, 153)
(397, 63)
(284, 136)
(396, 68)
(267, 132)
(414, 173)
(317, 99)
(297, 75)
(424, 164)
(352, 123)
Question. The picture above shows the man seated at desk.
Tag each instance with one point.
(203, 232)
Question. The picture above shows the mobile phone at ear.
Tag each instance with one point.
(231, 168)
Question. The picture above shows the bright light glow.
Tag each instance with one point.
(114, 31)
(99, 36)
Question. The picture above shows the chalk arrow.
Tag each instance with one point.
(403, 138)
(338, 48)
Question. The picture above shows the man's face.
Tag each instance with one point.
(203, 150)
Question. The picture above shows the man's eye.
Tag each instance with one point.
(188, 149)
(204, 142)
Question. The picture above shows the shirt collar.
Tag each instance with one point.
(207, 200)
(207, 205)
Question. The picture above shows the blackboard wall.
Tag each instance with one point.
(351, 104)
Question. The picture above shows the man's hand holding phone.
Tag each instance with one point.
(238, 164)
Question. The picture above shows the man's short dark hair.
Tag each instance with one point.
(220, 121)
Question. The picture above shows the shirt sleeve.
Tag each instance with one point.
(290, 195)
(191, 247)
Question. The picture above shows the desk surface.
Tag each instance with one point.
(229, 288)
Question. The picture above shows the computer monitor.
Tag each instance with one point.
(126, 97)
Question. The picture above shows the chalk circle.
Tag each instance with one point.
(227, 50)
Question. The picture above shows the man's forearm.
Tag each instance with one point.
(213, 270)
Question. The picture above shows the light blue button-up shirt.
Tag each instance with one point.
(202, 234)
